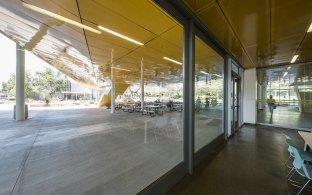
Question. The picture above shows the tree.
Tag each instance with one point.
(28, 85)
(48, 83)
(11, 85)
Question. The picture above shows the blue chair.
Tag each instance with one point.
(300, 167)
(306, 155)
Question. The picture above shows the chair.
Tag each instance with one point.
(300, 167)
(292, 143)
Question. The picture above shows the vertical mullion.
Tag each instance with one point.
(188, 98)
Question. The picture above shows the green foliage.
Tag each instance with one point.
(28, 85)
(11, 85)
(45, 83)
(48, 83)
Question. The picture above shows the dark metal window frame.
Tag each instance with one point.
(192, 26)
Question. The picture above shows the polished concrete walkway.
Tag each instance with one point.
(86, 151)
(285, 117)
(250, 163)
(90, 151)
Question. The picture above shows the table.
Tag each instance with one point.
(307, 137)
(152, 110)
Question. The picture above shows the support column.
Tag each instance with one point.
(113, 83)
(188, 97)
(142, 85)
(20, 83)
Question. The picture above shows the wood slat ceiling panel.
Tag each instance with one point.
(141, 12)
(101, 45)
(159, 48)
(218, 26)
(251, 21)
(251, 24)
(174, 36)
(206, 58)
(291, 20)
(306, 47)
(98, 14)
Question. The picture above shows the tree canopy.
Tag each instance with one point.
(46, 83)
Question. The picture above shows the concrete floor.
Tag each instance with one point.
(90, 151)
(251, 162)
(86, 151)
(287, 117)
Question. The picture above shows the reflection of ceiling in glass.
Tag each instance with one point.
(208, 63)
(87, 56)
(290, 75)
(258, 33)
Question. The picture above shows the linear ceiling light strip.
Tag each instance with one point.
(171, 60)
(121, 69)
(310, 28)
(294, 58)
(59, 17)
(120, 35)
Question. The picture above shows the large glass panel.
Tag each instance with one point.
(132, 54)
(209, 69)
(290, 87)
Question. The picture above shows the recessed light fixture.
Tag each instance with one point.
(59, 17)
(171, 60)
(310, 28)
(121, 69)
(294, 58)
(119, 35)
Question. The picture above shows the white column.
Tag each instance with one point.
(20, 83)
(250, 96)
(142, 85)
(113, 83)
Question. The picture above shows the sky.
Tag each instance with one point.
(8, 59)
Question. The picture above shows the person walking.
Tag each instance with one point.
(271, 103)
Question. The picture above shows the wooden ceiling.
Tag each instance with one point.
(259, 33)
(87, 56)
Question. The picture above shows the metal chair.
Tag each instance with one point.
(300, 167)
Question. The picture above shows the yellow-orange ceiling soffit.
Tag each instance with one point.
(119, 35)
(59, 17)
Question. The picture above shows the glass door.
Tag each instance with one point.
(235, 104)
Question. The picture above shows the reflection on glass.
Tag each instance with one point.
(291, 87)
(209, 68)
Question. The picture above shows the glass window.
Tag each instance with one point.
(209, 69)
(290, 87)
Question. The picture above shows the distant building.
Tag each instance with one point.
(75, 91)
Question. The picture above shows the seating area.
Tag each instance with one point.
(150, 108)
(301, 160)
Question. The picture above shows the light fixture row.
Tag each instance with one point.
(72, 22)
(296, 56)
(102, 28)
